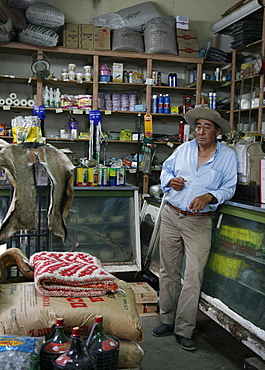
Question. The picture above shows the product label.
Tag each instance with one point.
(57, 347)
(22, 344)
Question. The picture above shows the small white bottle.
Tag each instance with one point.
(57, 98)
(46, 97)
(51, 97)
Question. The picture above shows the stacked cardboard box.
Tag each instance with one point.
(146, 298)
(85, 36)
(187, 43)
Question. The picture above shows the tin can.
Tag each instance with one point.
(103, 176)
(122, 176)
(114, 176)
(93, 176)
(81, 176)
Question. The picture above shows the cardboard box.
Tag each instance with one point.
(188, 49)
(182, 22)
(117, 72)
(186, 35)
(262, 180)
(86, 36)
(146, 309)
(144, 293)
(101, 38)
(71, 35)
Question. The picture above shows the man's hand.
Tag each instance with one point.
(200, 202)
(177, 183)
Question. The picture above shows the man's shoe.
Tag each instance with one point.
(186, 343)
(163, 330)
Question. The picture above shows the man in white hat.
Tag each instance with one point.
(197, 177)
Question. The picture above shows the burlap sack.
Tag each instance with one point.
(130, 354)
(23, 311)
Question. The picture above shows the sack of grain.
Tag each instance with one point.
(38, 35)
(127, 40)
(160, 36)
(45, 15)
(24, 311)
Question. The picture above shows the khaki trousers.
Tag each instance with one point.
(179, 236)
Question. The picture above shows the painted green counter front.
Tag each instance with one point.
(102, 221)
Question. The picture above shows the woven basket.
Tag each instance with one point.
(46, 15)
(38, 35)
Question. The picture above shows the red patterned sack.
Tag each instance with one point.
(71, 274)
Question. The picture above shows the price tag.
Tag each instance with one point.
(77, 111)
(149, 81)
(6, 107)
(107, 112)
(170, 145)
(59, 110)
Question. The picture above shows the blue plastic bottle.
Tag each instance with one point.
(166, 104)
(160, 106)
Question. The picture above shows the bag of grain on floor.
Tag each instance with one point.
(160, 36)
(130, 354)
(24, 311)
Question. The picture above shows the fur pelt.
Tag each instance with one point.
(21, 215)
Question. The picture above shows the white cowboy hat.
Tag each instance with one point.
(207, 113)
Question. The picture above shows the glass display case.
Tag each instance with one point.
(233, 290)
(102, 221)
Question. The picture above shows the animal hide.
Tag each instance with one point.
(71, 274)
(22, 213)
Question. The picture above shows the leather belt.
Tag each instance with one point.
(187, 213)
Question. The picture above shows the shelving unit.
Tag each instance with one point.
(12, 77)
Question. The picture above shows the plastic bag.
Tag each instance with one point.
(160, 36)
(16, 352)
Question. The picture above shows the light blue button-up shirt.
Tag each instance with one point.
(218, 176)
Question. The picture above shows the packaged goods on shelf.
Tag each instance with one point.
(188, 49)
(160, 36)
(101, 38)
(125, 135)
(46, 15)
(86, 36)
(182, 22)
(133, 17)
(186, 35)
(127, 40)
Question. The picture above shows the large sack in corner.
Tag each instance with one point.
(24, 311)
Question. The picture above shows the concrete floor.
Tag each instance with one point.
(216, 349)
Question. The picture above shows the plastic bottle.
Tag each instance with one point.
(170, 79)
(51, 97)
(76, 357)
(166, 104)
(154, 77)
(57, 98)
(174, 80)
(210, 96)
(154, 104)
(158, 79)
(181, 131)
(214, 99)
(106, 348)
(46, 97)
(58, 343)
(160, 105)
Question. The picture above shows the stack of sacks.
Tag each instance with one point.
(37, 313)
(33, 21)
